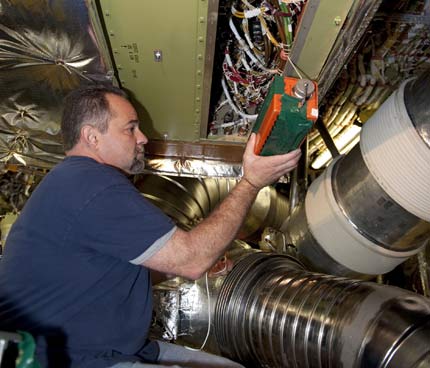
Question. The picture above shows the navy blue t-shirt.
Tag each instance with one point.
(70, 272)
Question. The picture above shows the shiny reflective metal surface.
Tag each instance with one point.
(371, 211)
(350, 220)
(192, 167)
(309, 251)
(188, 200)
(46, 49)
(183, 310)
(272, 313)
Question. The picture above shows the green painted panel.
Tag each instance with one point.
(321, 23)
(167, 93)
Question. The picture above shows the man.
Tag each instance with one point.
(75, 272)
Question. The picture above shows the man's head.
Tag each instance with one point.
(98, 121)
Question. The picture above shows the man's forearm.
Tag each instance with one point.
(220, 228)
(191, 253)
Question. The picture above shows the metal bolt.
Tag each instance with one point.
(200, 56)
(111, 33)
(199, 72)
(198, 86)
(201, 39)
(337, 20)
(158, 55)
(201, 19)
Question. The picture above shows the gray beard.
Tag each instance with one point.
(138, 165)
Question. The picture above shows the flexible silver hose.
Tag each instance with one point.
(271, 312)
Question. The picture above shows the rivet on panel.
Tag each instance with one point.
(198, 99)
(197, 111)
(337, 21)
(201, 19)
(158, 56)
(200, 56)
(111, 33)
(201, 39)
(198, 86)
(107, 13)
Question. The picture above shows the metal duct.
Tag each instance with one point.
(272, 313)
(397, 155)
(189, 200)
(369, 210)
(184, 310)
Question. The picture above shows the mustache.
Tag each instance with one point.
(140, 149)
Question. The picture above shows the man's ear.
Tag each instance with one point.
(89, 135)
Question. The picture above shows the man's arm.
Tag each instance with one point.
(190, 254)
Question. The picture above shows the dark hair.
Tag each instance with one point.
(86, 105)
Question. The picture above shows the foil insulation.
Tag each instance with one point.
(47, 48)
(194, 159)
(193, 167)
(184, 309)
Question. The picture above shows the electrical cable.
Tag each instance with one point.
(209, 318)
(233, 106)
(245, 29)
(294, 67)
(244, 47)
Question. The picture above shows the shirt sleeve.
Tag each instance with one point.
(121, 223)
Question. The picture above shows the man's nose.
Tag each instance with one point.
(140, 137)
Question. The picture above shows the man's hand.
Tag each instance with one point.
(260, 171)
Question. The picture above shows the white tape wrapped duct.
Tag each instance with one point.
(398, 159)
(339, 238)
(397, 156)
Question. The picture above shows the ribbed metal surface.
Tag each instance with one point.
(272, 313)
(189, 200)
(416, 102)
(371, 211)
(397, 156)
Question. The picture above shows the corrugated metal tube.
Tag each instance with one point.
(272, 313)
